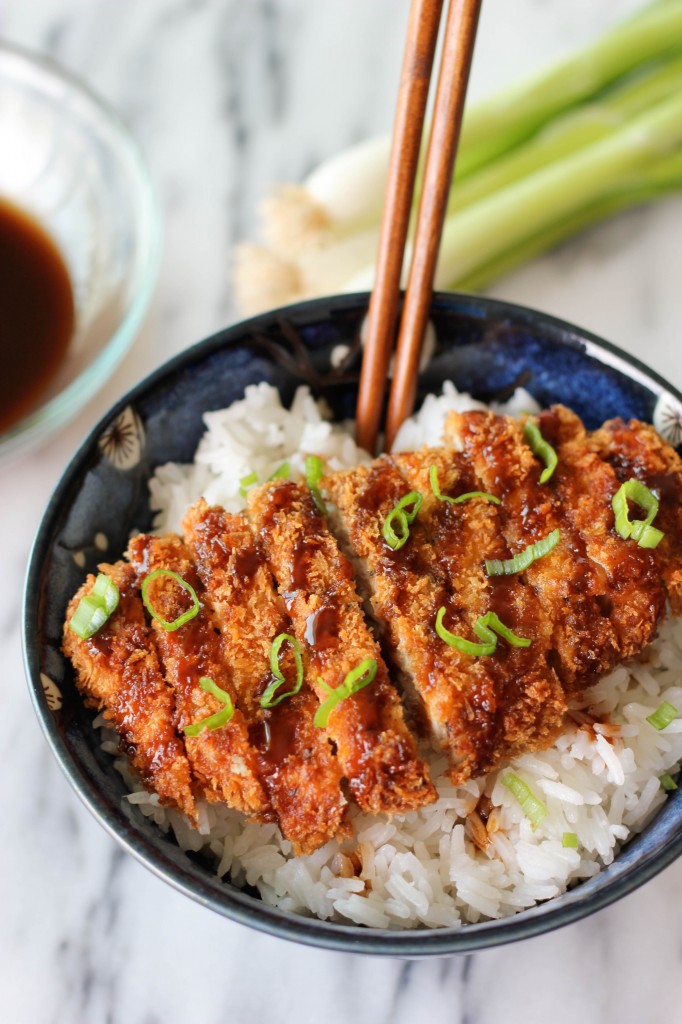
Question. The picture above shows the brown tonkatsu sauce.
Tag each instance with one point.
(37, 312)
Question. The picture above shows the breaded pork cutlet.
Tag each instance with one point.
(223, 759)
(454, 694)
(374, 746)
(529, 700)
(634, 595)
(570, 585)
(301, 775)
(636, 450)
(118, 671)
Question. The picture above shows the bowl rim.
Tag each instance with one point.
(65, 404)
(238, 906)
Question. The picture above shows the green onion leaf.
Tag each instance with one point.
(268, 700)
(668, 783)
(170, 627)
(487, 625)
(485, 628)
(569, 840)
(664, 714)
(433, 477)
(541, 448)
(533, 808)
(314, 471)
(106, 592)
(640, 530)
(94, 609)
(247, 481)
(396, 528)
(281, 473)
(520, 562)
(220, 717)
(359, 677)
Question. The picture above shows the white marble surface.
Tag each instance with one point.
(226, 96)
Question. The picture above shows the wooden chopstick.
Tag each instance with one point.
(460, 34)
(420, 45)
(458, 48)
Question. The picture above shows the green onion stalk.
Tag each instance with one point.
(598, 132)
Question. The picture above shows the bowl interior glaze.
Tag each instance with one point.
(485, 347)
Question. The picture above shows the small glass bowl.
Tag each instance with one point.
(71, 163)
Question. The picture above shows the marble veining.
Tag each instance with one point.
(227, 96)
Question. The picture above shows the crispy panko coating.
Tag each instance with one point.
(636, 450)
(529, 703)
(222, 760)
(454, 693)
(374, 747)
(567, 581)
(302, 776)
(118, 671)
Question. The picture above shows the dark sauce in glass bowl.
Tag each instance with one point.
(37, 312)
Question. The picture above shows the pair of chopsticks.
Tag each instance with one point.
(458, 45)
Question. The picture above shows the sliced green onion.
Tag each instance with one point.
(541, 448)
(569, 841)
(664, 714)
(247, 481)
(359, 677)
(533, 808)
(106, 592)
(640, 530)
(433, 477)
(485, 628)
(220, 717)
(170, 627)
(520, 562)
(268, 700)
(668, 783)
(487, 625)
(314, 471)
(400, 517)
(281, 473)
(94, 609)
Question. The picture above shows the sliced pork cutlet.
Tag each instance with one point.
(302, 777)
(529, 699)
(454, 693)
(636, 450)
(570, 586)
(374, 747)
(118, 671)
(633, 592)
(222, 759)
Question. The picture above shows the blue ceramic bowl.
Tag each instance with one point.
(485, 347)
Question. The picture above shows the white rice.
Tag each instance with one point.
(423, 868)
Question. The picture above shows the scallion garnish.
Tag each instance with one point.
(359, 677)
(94, 609)
(520, 562)
(641, 530)
(668, 783)
(533, 808)
(247, 481)
(220, 717)
(664, 714)
(281, 473)
(396, 528)
(314, 471)
(433, 477)
(569, 841)
(268, 700)
(170, 627)
(485, 627)
(541, 448)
